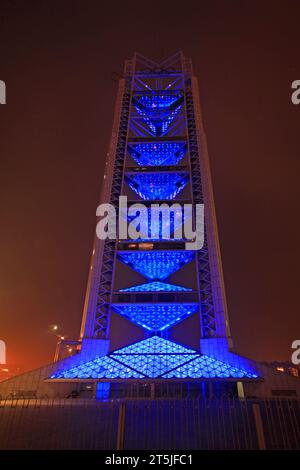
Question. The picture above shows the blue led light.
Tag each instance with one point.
(156, 286)
(102, 391)
(157, 186)
(155, 317)
(153, 101)
(158, 111)
(157, 153)
(150, 358)
(160, 127)
(156, 265)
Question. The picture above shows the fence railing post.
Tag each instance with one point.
(259, 427)
(121, 427)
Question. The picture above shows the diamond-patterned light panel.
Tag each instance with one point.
(157, 153)
(155, 317)
(156, 265)
(155, 102)
(158, 110)
(156, 286)
(157, 186)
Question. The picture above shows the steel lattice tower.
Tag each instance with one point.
(157, 154)
(155, 321)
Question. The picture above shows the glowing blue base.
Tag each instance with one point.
(154, 357)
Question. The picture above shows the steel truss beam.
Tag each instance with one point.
(102, 319)
(208, 323)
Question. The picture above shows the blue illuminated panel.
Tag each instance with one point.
(156, 286)
(156, 265)
(208, 368)
(153, 101)
(101, 368)
(155, 345)
(151, 358)
(157, 153)
(102, 391)
(156, 317)
(154, 365)
(158, 111)
(157, 186)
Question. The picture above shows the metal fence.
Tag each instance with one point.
(150, 424)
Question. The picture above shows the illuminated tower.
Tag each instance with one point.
(155, 322)
(157, 154)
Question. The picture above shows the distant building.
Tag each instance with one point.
(10, 371)
(287, 367)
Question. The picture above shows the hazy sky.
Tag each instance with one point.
(57, 59)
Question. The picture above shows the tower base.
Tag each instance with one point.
(39, 384)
